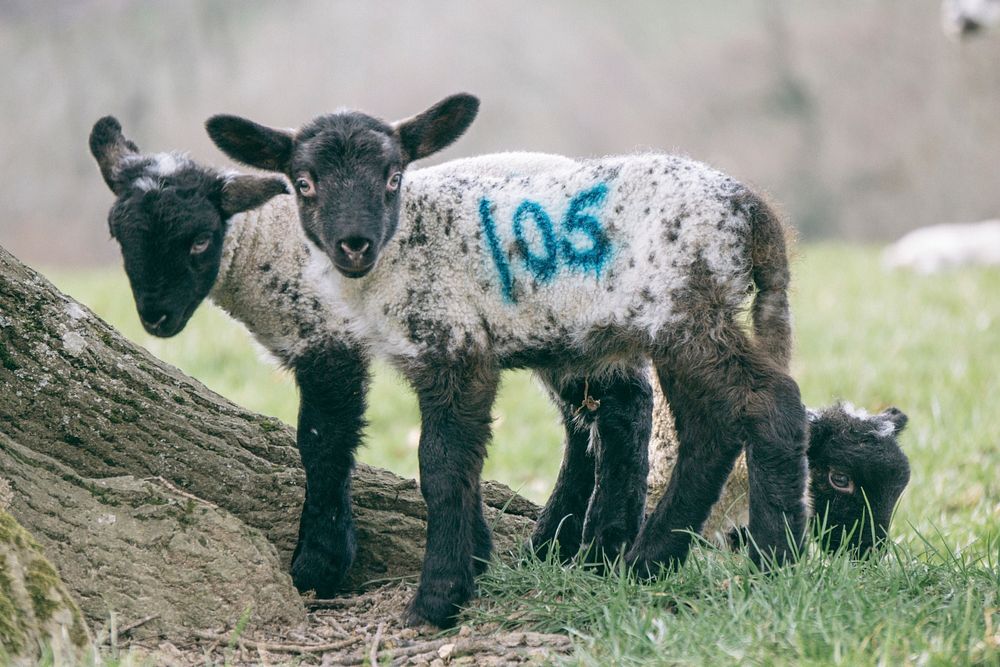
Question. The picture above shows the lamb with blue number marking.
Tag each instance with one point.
(590, 267)
(189, 232)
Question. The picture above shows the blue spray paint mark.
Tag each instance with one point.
(542, 266)
(503, 268)
(580, 225)
(578, 220)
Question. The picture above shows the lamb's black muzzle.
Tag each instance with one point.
(353, 256)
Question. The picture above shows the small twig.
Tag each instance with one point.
(132, 626)
(588, 403)
(103, 635)
(373, 654)
(335, 603)
(287, 648)
(180, 492)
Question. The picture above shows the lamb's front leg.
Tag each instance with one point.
(333, 384)
(455, 405)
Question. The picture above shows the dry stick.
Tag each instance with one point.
(335, 603)
(287, 648)
(375, 642)
(101, 637)
(558, 643)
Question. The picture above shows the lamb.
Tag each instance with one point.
(188, 232)
(857, 471)
(962, 18)
(590, 268)
(937, 248)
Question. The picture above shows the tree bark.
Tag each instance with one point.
(37, 613)
(154, 495)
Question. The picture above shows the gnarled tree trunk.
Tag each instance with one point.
(157, 497)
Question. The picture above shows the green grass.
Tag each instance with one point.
(929, 345)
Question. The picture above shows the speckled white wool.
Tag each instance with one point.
(641, 224)
(262, 283)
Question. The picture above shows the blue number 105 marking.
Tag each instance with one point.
(579, 224)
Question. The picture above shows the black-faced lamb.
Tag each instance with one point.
(188, 232)
(857, 471)
(585, 268)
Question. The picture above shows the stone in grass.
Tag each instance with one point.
(37, 615)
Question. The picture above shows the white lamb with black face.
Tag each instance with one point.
(188, 232)
(591, 267)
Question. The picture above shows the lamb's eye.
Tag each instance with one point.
(305, 186)
(201, 244)
(394, 181)
(841, 481)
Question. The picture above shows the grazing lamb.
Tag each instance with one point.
(963, 18)
(940, 247)
(586, 268)
(855, 463)
(188, 232)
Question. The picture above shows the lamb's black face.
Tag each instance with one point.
(347, 169)
(855, 463)
(171, 242)
(170, 219)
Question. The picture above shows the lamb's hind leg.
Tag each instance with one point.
(561, 520)
(624, 424)
(609, 442)
(725, 393)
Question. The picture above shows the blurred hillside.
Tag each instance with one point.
(859, 117)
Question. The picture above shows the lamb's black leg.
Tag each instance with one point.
(624, 425)
(333, 383)
(708, 445)
(455, 405)
(561, 521)
(724, 392)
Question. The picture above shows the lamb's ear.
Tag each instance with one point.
(250, 143)
(108, 146)
(242, 193)
(896, 417)
(436, 128)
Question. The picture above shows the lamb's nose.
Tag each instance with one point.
(156, 324)
(354, 248)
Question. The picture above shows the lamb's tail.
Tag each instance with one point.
(772, 318)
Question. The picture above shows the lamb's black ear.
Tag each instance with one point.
(242, 193)
(108, 146)
(251, 143)
(436, 128)
(896, 417)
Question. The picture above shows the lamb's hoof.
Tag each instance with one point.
(551, 549)
(769, 559)
(738, 538)
(430, 610)
(648, 568)
(314, 570)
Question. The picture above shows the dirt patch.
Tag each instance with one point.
(349, 631)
